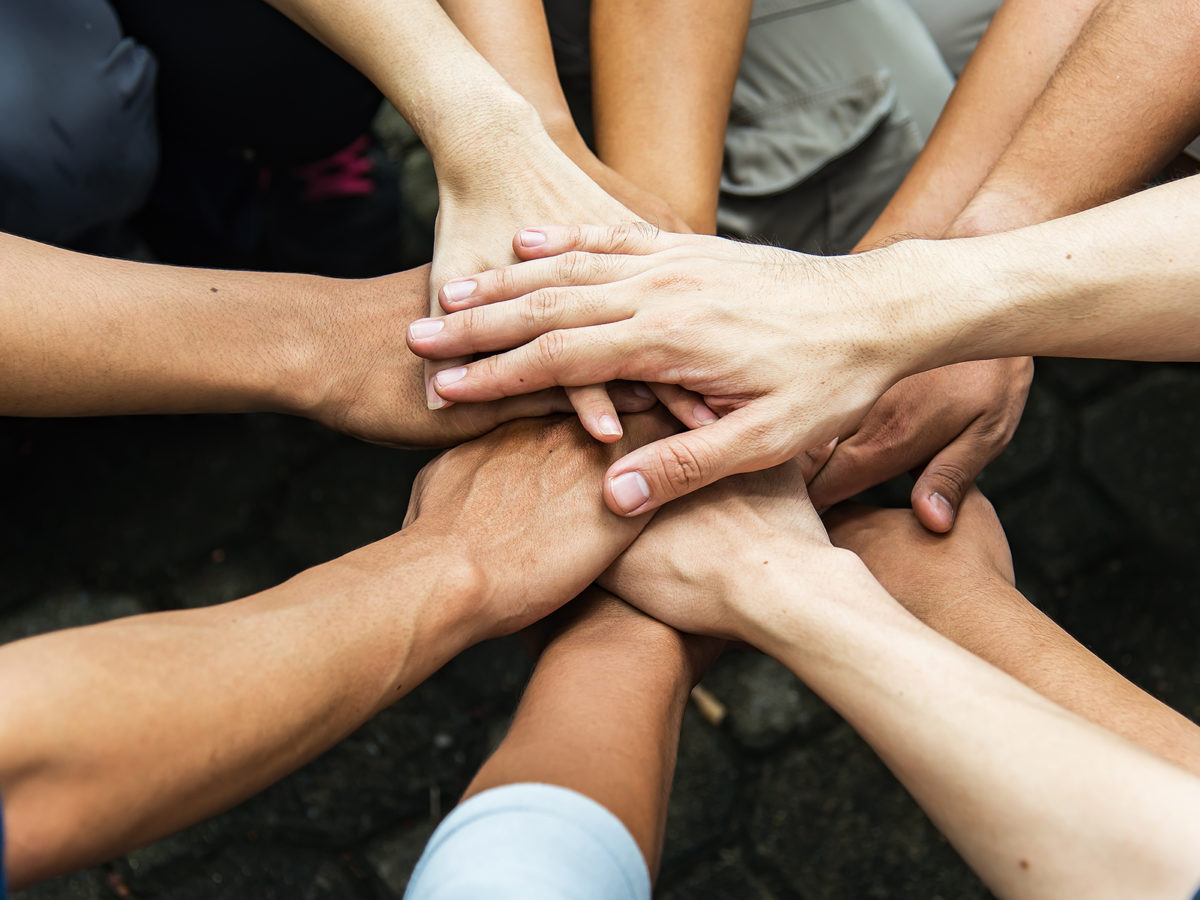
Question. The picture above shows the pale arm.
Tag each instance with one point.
(961, 586)
(1038, 801)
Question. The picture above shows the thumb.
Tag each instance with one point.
(946, 480)
(674, 466)
(633, 238)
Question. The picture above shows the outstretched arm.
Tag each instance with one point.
(1040, 802)
(84, 336)
(962, 587)
(116, 734)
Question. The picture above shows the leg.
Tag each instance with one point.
(832, 106)
(79, 147)
(600, 718)
(961, 585)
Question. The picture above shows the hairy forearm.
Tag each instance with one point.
(1122, 104)
(1008, 71)
(84, 335)
(1031, 795)
(119, 733)
(1118, 282)
(663, 77)
(601, 716)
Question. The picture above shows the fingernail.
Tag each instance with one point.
(832, 445)
(531, 237)
(630, 490)
(608, 425)
(423, 328)
(703, 414)
(432, 399)
(944, 505)
(449, 376)
(458, 290)
(640, 390)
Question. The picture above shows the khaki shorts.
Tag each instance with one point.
(833, 102)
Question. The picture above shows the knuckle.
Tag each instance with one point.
(684, 466)
(549, 350)
(951, 477)
(543, 306)
(572, 267)
(504, 282)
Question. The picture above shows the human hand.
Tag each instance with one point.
(528, 180)
(519, 507)
(953, 421)
(765, 526)
(923, 570)
(802, 363)
(364, 381)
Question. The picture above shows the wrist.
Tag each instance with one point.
(477, 145)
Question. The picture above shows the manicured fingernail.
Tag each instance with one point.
(608, 425)
(630, 490)
(703, 414)
(449, 376)
(832, 445)
(531, 237)
(423, 328)
(640, 390)
(458, 290)
(944, 505)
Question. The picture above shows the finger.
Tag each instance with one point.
(743, 441)
(687, 406)
(515, 322)
(812, 461)
(433, 399)
(631, 396)
(632, 237)
(596, 412)
(572, 357)
(573, 268)
(940, 489)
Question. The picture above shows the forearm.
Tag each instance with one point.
(992, 620)
(663, 75)
(120, 733)
(1118, 282)
(1031, 795)
(84, 335)
(1008, 71)
(1122, 104)
(457, 103)
(601, 716)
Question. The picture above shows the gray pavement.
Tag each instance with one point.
(1099, 493)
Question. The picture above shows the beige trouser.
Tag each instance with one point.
(833, 102)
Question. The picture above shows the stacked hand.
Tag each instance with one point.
(790, 350)
(361, 379)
